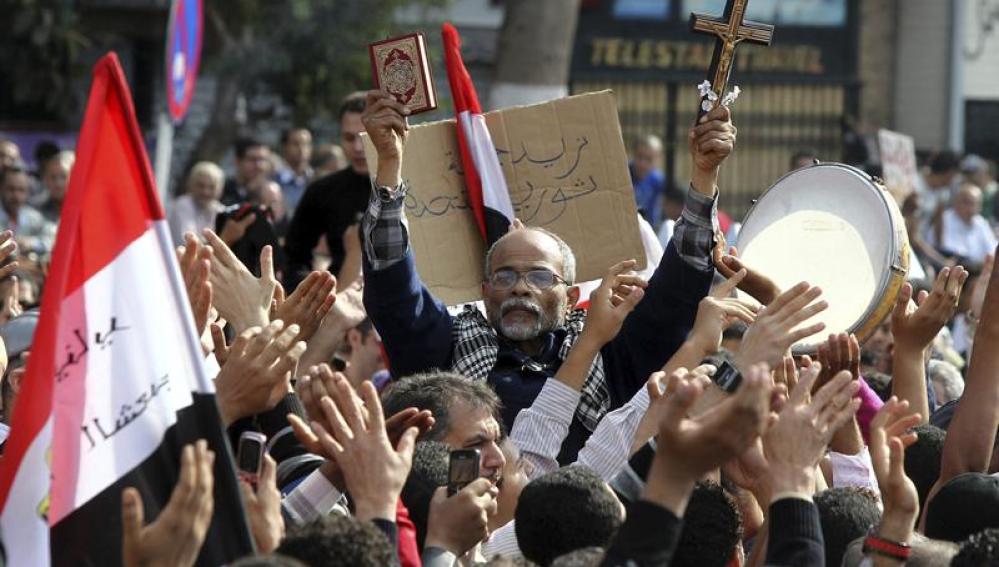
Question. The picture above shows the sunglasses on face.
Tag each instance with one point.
(540, 279)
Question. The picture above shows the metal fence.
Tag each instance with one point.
(774, 121)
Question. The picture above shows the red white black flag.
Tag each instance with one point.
(116, 383)
(484, 181)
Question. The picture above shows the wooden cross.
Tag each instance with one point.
(729, 31)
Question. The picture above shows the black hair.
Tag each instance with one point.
(245, 144)
(712, 526)
(429, 472)
(879, 382)
(944, 161)
(674, 194)
(979, 550)
(438, 392)
(804, 153)
(45, 151)
(735, 331)
(338, 541)
(922, 459)
(287, 132)
(845, 513)
(565, 510)
(354, 102)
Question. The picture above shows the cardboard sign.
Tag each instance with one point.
(898, 163)
(566, 170)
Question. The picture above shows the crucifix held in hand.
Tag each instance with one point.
(729, 31)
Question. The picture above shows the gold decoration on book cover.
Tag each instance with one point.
(400, 73)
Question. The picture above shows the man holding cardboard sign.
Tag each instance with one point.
(528, 291)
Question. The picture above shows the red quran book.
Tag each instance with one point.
(401, 68)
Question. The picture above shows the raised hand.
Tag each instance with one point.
(8, 247)
(889, 436)
(756, 284)
(347, 312)
(915, 328)
(195, 266)
(806, 424)
(263, 507)
(712, 139)
(773, 332)
(242, 299)
(311, 301)
(690, 447)
(458, 523)
(374, 470)
(175, 538)
(841, 352)
(384, 121)
(321, 381)
(257, 371)
(616, 296)
(12, 303)
(716, 312)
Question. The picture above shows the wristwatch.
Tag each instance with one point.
(727, 377)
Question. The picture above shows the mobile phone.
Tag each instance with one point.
(463, 469)
(250, 456)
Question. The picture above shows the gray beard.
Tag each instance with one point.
(517, 332)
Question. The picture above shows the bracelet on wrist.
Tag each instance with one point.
(878, 545)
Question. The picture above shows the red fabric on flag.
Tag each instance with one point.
(106, 162)
(465, 99)
(112, 260)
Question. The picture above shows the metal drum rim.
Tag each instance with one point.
(893, 249)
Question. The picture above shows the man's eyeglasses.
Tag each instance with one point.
(539, 279)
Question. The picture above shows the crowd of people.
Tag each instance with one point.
(666, 424)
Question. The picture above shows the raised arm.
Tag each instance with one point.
(972, 431)
(415, 327)
(915, 328)
(659, 325)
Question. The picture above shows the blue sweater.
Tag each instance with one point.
(416, 330)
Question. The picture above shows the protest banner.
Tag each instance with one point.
(567, 171)
(898, 163)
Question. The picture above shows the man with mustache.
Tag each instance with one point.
(528, 290)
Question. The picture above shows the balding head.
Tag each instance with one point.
(567, 258)
(968, 202)
(527, 288)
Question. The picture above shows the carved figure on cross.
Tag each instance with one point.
(729, 30)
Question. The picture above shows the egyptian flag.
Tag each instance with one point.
(116, 382)
(484, 181)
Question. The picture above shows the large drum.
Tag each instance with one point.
(836, 227)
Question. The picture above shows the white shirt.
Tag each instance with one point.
(187, 216)
(539, 430)
(971, 240)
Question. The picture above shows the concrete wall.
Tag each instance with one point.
(923, 71)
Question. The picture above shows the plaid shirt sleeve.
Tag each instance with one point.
(386, 233)
(694, 234)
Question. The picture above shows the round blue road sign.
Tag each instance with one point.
(183, 55)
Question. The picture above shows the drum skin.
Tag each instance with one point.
(834, 226)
